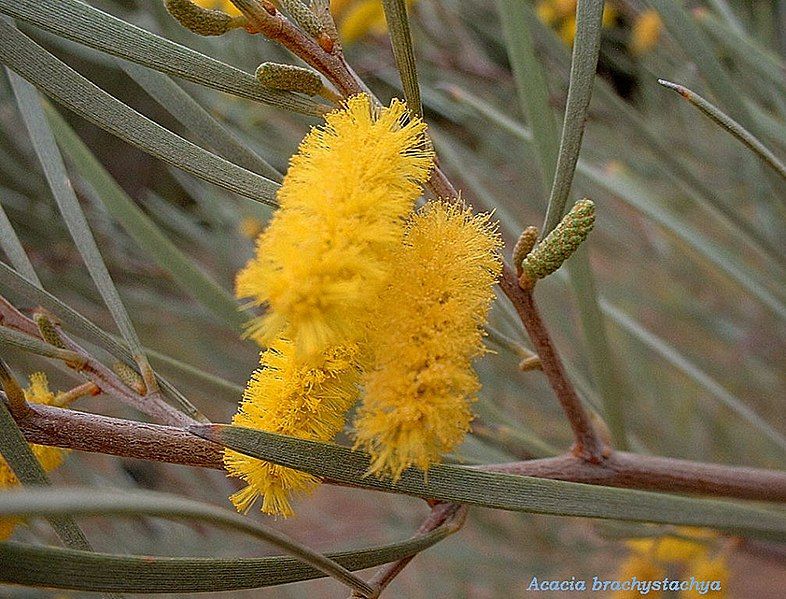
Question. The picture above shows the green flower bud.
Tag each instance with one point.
(202, 21)
(47, 330)
(289, 77)
(304, 17)
(560, 244)
(524, 245)
(130, 377)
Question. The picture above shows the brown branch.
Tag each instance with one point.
(654, 473)
(450, 515)
(588, 444)
(270, 22)
(82, 431)
(127, 438)
(107, 381)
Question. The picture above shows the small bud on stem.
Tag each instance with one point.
(47, 329)
(130, 377)
(289, 77)
(558, 245)
(202, 21)
(524, 245)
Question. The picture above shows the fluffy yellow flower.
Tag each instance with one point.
(224, 5)
(643, 568)
(286, 397)
(358, 18)
(561, 16)
(708, 571)
(646, 32)
(321, 262)
(690, 545)
(49, 457)
(426, 332)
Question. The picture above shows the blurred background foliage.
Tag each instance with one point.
(695, 312)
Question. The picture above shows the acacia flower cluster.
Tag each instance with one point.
(289, 398)
(427, 330)
(362, 292)
(690, 552)
(321, 262)
(49, 457)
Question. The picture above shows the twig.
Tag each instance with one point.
(588, 445)
(151, 404)
(270, 22)
(70, 429)
(442, 514)
(655, 473)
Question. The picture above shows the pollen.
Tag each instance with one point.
(286, 397)
(322, 261)
(427, 330)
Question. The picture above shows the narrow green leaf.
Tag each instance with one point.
(401, 40)
(13, 282)
(80, 22)
(43, 141)
(586, 47)
(732, 126)
(142, 229)
(614, 388)
(18, 455)
(747, 50)
(69, 88)
(682, 25)
(643, 200)
(723, 9)
(533, 94)
(640, 198)
(84, 502)
(682, 363)
(531, 85)
(501, 491)
(34, 345)
(12, 247)
(69, 569)
(207, 130)
(673, 167)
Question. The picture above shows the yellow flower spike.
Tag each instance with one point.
(643, 568)
(364, 17)
(546, 12)
(287, 397)
(358, 18)
(38, 391)
(714, 573)
(564, 8)
(7, 526)
(609, 16)
(322, 261)
(49, 457)
(646, 32)
(567, 30)
(427, 330)
(691, 544)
